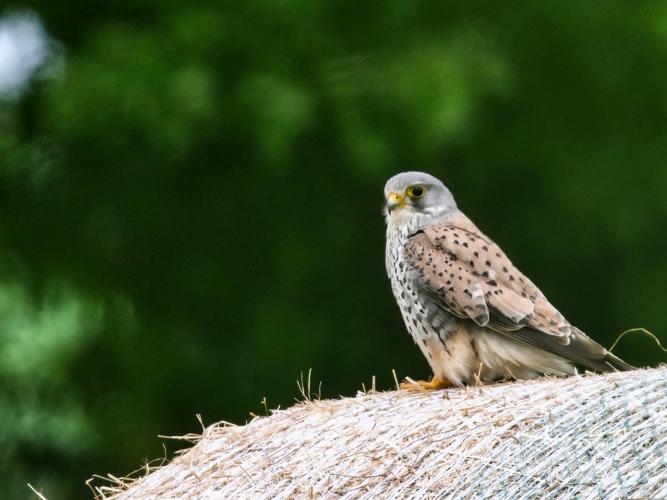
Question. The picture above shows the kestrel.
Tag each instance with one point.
(473, 314)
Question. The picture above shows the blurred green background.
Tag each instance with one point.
(191, 193)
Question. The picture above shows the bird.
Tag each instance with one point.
(474, 315)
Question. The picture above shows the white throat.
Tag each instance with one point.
(406, 221)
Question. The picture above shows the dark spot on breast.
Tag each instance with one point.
(485, 248)
(476, 253)
(511, 277)
(456, 242)
(505, 269)
(493, 283)
(488, 263)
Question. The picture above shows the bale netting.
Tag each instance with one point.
(592, 436)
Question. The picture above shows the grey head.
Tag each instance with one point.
(416, 198)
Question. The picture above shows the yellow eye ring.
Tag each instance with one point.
(415, 192)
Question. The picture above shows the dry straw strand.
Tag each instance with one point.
(643, 331)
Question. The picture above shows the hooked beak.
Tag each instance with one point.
(394, 201)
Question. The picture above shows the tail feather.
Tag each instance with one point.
(594, 356)
(581, 350)
(617, 363)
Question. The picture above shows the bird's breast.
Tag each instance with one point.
(423, 318)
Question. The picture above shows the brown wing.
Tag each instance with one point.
(472, 274)
(468, 275)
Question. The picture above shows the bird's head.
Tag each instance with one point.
(416, 197)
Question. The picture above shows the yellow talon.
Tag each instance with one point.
(424, 385)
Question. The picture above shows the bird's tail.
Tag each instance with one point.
(593, 355)
(616, 363)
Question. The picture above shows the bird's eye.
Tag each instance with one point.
(415, 192)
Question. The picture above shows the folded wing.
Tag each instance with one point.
(469, 276)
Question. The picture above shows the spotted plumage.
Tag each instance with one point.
(474, 315)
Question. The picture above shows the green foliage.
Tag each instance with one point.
(191, 211)
(39, 408)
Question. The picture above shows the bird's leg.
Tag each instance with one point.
(426, 385)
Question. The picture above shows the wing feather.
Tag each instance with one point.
(475, 279)
(469, 276)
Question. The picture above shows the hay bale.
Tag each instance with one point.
(594, 436)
